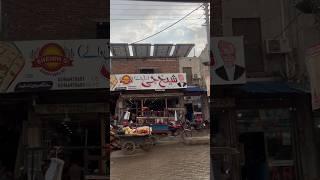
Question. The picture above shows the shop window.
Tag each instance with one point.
(188, 71)
(275, 124)
(266, 141)
(250, 28)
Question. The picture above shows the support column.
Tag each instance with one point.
(33, 139)
(103, 142)
(306, 147)
(181, 105)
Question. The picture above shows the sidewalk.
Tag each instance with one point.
(201, 140)
(198, 140)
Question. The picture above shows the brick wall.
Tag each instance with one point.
(48, 19)
(132, 66)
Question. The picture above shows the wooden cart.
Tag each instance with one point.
(129, 143)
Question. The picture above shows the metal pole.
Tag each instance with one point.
(284, 36)
(1, 25)
(32, 165)
(86, 153)
(207, 23)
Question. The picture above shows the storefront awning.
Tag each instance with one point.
(194, 89)
(269, 88)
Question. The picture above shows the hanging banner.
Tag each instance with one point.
(54, 65)
(313, 66)
(148, 81)
(227, 61)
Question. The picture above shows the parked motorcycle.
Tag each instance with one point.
(181, 128)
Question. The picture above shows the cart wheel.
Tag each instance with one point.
(186, 133)
(154, 140)
(147, 145)
(128, 147)
(177, 132)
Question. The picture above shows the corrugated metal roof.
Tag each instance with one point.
(122, 50)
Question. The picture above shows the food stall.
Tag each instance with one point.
(149, 99)
(154, 110)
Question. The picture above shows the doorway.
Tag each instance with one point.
(255, 163)
(189, 108)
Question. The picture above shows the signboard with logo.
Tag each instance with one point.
(148, 81)
(313, 66)
(54, 65)
(227, 61)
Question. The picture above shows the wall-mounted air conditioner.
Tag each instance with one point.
(277, 46)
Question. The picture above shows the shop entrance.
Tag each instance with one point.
(266, 144)
(73, 133)
(254, 165)
(10, 137)
(189, 108)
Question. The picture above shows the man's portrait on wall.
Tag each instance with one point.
(228, 67)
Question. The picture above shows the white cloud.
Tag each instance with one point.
(128, 31)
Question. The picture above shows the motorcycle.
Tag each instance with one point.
(176, 128)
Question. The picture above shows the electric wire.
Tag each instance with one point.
(288, 25)
(168, 26)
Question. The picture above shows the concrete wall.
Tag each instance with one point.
(133, 66)
(269, 12)
(274, 17)
(192, 62)
(205, 69)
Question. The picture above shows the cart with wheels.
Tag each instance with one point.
(129, 143)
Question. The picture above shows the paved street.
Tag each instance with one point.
(167, 162)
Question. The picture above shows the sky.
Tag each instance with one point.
(131, 21)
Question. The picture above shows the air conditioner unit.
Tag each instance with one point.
(277, 46)
(195, 76)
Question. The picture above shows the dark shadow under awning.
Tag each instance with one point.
(194, 90)
(269, 88)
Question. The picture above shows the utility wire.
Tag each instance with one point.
(288, 25)
(148, 13)
(123, 19)
(138, 9)
(159, 5)
(169, 25)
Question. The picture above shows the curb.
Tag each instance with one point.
(197, 141)
(164, 143)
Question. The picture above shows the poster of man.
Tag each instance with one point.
(227, 63)
(313, 65)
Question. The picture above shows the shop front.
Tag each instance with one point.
(155, 109)
(266, 142)
(65, 130)
(255, 125)
(155, 100)
(64, 115)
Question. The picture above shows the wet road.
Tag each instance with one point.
(169, 162)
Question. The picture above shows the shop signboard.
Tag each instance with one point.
(313, 66)
(148, 81)
(227, 62)
(53, 65)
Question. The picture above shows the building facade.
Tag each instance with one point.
(38, 127)
(31, 20)
(190, 99)
(265, 125)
